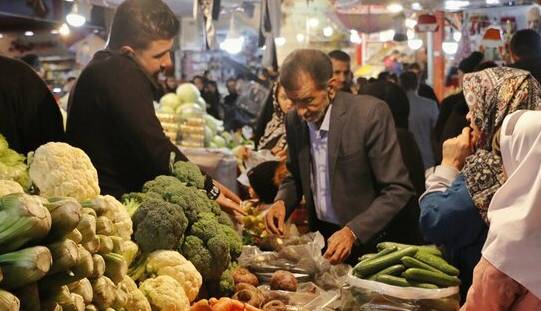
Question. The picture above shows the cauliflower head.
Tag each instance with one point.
(60, 170)
(8, 187)
(136, 299)
(173, 264)
(118, 213)
(165, 293)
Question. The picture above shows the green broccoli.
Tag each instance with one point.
(158, 225)
(160, 183)
(134, 199)
(189, 173)
(211, 259)
(227, 283)
(208, 227)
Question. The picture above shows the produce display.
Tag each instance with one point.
(12, 166)
(407, 266)
(254, 231)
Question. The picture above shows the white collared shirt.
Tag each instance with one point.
(320, 179)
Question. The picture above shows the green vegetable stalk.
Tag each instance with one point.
(29, 297)
(85, 265)
(65, 214)
(23, 218)
(115, 267)
(8, 301)
(75, 236)
(104, 292)
(82, 288)
(25, 266)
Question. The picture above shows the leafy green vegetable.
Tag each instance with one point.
(25, 266)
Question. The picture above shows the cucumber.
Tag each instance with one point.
(411, 262)
(425, 276)
(366, 268)
(392, 270)
(432, 249)
(393, 280)
(424, 285)
(382, 253)
(367, 256)
(436, 262)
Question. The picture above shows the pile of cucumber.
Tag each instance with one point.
(407, 266)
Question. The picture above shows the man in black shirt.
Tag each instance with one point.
(29, 114)
(111, 114)
(526, 52)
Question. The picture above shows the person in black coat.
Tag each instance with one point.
(29, 114)
(111, 113)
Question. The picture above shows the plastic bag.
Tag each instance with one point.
(371, 295)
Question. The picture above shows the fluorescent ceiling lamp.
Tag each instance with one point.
(328, 31)
(57, 90)
(354, 37)
(55, 32)
(28, 33)
(416, 6)
(280, 41)
(456, 5)
(395, 8)
(410, 33)
(74, 18)
(1, 35)
(493, 2)
(415, 44)
(449, 47)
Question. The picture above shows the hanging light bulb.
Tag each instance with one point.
(233, 42)
(328, 31)
(415, 44)
(74, 18)
(300, 37)
(449, 47)
(313, 22)
(354, 37)
(395, 8)
(280, 41)
(457, 35)
(64, 30)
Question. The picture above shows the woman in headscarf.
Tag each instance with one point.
(453, 208)
(274, 136)
(507, 276)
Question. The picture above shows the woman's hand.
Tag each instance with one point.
(456, 150)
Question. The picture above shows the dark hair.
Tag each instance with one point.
(485, 65)
(71, 79)
(139, 22)
(230, 80)
(394, 96)
(468, 64)
(526, 43)
(202, 78)
(414, 66)
(314, 63)
(382, 76)
(261, 180)
(340, 56)
(409, 81)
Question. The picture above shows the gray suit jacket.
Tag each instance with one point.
(369, 182)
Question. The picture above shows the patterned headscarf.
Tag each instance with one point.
(492, 94)
(275, 131)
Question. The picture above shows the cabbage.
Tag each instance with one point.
(219, 141)
(170, 100)
(190, 111)
(209, 135)
(188, 93)
(202, 103)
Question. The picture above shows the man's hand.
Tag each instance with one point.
(275, 218)
(456, 150)
(228, 200)
(339, 245)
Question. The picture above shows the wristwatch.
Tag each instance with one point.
(213, 192)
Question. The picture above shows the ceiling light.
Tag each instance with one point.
(410, 22)
(450, 47)
(57, 90)
(280, 41)
(300, 37)
(232, 45)
(493, 2)
(313, 22)
(28, 33)
(55, 32)
(457, 35)
(328, 31)
(416, 6)
(64, 30)
(456, 5)
(74, 18)
(1, 35)
(354, 37)
(410, 33)
(386, 35)
(415, 44)
(395, 8)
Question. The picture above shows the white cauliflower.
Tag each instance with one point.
(173, 264)
(8, 187)
(165, 293)
(136, 299)
(109, 206)
(60, 170)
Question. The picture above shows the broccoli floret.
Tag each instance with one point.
(133, 200)
(211, 259)
(233, 239)
(227, 283)
(208, 227)
(158, 225)
(224, 219)
(189, 173)
(160, 184)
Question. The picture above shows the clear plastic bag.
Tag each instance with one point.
(371, 295)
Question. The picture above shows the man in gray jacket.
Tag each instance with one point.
(343, 157)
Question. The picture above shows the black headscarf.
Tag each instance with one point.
(395, 97)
